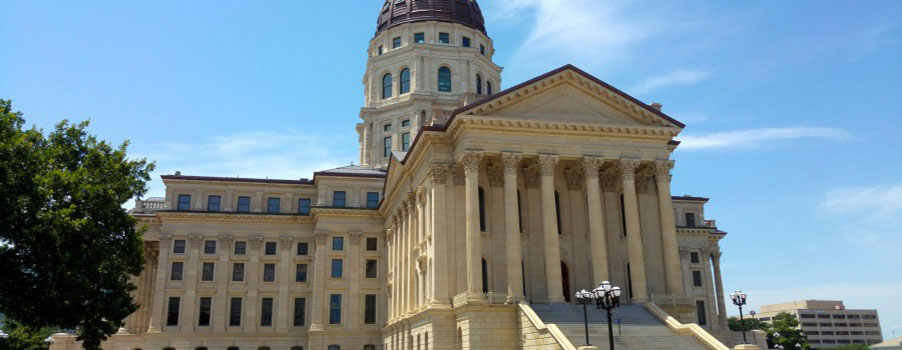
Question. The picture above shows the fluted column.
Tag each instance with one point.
(319, 301)
(390, 263)
(597, 237)
(440, 240)
(708, 284)
(633, 229)
(421, 237)
(249, 321)
(354, 295)
(405, 257)
(220, 304)
(668, 229)
(412, 275)
(511, 164)
(156, 315)
(188, 310)
(470, 161)
(284, 306)
(718, 282)
(547, 165)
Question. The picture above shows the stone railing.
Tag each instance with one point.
(672, 300)
(471, 298)
(538, 335)
(690, 329)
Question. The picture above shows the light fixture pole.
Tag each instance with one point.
(739, 299)
(607, 297)
(584, 298)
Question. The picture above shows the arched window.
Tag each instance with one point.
(334, 347)
(482, 225)
(488, 88)
(478, 84)
(444, 79)
(386, 86)
(405, 81)
(557, 207)
(369, 347)
(485, 276)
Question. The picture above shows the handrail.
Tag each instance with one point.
(551, 329)
(692, 328)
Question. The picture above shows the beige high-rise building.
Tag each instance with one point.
(474, 216)
(827, 323)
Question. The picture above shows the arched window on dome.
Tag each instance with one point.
(478, 84)
(405, 81)
(444, 79)
(488, 88)
(386, 86)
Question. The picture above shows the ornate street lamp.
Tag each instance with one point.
(799, 346)
(607, 297)
(739, 299)
(584, 298)
(778, 346)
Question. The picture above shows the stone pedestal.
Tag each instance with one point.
(587, 348)
(747, 347)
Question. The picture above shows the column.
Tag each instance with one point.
(284, 306)
(319, 302)
(188, 309)
(220, 304)
(252, 270)
(399, 265)
(597, 237)
(421, 239)
(470, 161)
(413, 276)
(354, 295)
(668, 229)
(389, 263)
(438, 174)
(405, 257)
(511, 164)
(708, 282)
(718, 282)
(156, 315)
(684, 262)
(633, 228)
(553, 279)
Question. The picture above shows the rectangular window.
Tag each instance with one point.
(369, 309)
(697, 278)
(444, 38)
(405, 141)
(172, 316)
(338, 199)
(235, 312)
(372, 200)
(396, 42)
(304, 206)
(419, 38)
(178, 246)
(209, 247)
(303, 248)
(273, 205)
(240, 248)
(213, 203)
(693, 257)
(702, 315)
(690, 219)
(337, 266)
(338, 243)
(301, 273)
(244, 204)
(300, 309)
(176, 272)
(207, 272)
(482, 49)
(405, 123)
(386, 146)
(269, 272)
(372, 244)
(386, 127)
(184, 202)
(335, 309)
(270, 248)
(371, 269)
(203, 314)
(238, 272)
(466, 42)
(266, 312)
(381, 49)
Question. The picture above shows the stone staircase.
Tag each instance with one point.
(639, 329)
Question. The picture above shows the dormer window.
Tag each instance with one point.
(690, 219)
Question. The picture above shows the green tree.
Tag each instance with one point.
(22, 337)
(67, 247)
(748, 324)
(788, 328)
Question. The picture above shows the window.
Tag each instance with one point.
(269, 272)
(697, 278)
(465, 42)
(176, 272)
(334, 309)
(338, 199)
(238, 272)
(557, 211)
(373, 347)
(386, 144)
(334, 347)
(519, 211)
(178, 246)
(338, 243)
(304, 206)
(386, 127)
(269, 248)
(303, 248)
(485, 276)
(240, 248)
(381, 49)
(184, 202)
(203, 315)
(209, 247)
(488, 88)
(482, 225)
(369, 309)
(213, 203)
(622, 215)
(172, 315)
(386, 86)
(300, 274)
(419, 38)
(405, 123)
(482, 49)
(701, 314)
(693, 257)
(444, 38)
(690, 220)
(405, 81)
(405, 141)
(372, 200)
(372, 244)
(235, 312)
(396, 42)
(444, 79)
(478, 84)
(300, 309)
(371, 270)
(273, 205)
(244, 204)
(337, 265)
(207, 272)
(266, 312)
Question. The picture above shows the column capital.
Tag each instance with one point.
(574, 178)
(355, 236)
(662, 170)
(322, 236)
(165, 238)
(225, 241)
(256, 241)
(470, 161)
(438, 173)
(547, 163)
(285, 241)
(194, 240)
(531, 175)
(510, 162)
(411, 202)
(609, 179)
(684, 252)
(628, 168)
(496, 174)
(716, 254)
(151, 252)
(591, 166)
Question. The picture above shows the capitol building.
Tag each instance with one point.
(475, 214)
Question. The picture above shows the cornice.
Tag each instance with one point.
(543, 127)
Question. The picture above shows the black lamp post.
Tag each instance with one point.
(739, 299)
(607, 297)
(585, 298)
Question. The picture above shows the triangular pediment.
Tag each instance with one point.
(566, 103)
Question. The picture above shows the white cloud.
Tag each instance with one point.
(869, 217)
(754, 138)
(678, 77)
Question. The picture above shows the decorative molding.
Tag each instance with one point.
(225, 241)
(684, 252)
(628, 169)
(460, 178)
(645, 183)
(609, 180)
(322, 237)
(165, 238)
(548, 163)
(355, 236)
(286, 241)
(194, 240)
(591, 166)
(256, 241)
(235, 217)
(510, 162)
(438, 173)
(496, 175)
(574, 177)
(151, 253)
(531, 174)
(470, 161)
(662, 170)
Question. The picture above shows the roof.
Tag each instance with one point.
(352, 171)
(397, 12)
(236, 179)
(154, 199)
(688, 198)
(889, 344)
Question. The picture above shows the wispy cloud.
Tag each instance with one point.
(867, 216)
(754, 138)
(682, 77)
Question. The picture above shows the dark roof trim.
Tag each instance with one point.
(690, 198)
(340, 174)
(235, 179)
(674, 142)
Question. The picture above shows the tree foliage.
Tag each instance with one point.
(67, 247)
(747, 324)
(22, 337)
(788, 327)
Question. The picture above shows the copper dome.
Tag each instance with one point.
(396, 12)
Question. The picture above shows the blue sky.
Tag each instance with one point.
(793, 108)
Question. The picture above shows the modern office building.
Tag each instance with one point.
(827, 323)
